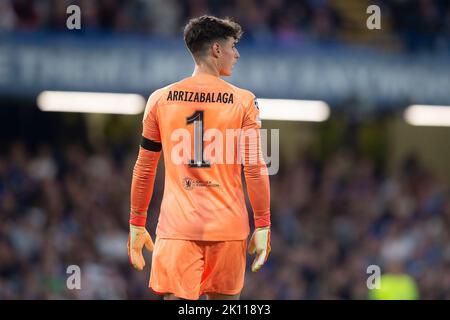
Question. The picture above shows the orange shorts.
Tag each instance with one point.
(188, 268)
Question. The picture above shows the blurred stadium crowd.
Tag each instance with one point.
(416, 24)
(331, 220)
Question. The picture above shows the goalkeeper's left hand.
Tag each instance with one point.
(260, 243)
(137, 238)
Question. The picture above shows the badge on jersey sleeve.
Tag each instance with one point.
(255, 102)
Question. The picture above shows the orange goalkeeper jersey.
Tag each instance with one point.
(200, 122)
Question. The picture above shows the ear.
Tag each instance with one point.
(216, 49)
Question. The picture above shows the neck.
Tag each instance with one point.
(206, 67)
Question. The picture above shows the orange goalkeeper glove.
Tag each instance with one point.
(260, 243)
(137, 238)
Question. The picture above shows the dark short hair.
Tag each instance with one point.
(202, 31)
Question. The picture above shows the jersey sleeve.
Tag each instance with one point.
(144, 171)
(255, 169)
(251, 117)
(150, 126)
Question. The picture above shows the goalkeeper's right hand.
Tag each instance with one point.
(137, 238)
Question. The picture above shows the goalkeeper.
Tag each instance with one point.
(203, 227)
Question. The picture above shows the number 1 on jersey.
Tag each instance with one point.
(197, 119)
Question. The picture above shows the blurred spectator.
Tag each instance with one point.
(8, 17)
(395, 285)
(164, 17)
